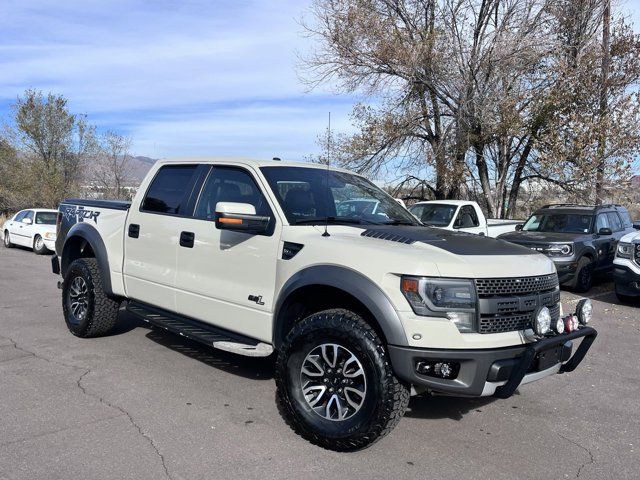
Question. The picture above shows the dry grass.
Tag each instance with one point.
(3, 219)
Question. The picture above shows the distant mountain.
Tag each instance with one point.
(140, 166)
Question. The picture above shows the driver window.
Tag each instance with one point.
(228, 184)
(20, 216)
(602, 222)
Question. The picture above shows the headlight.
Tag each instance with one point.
(560, 249)
(450, 298)
(50, 235)
(584, 311)
(625, 250)
(542, 321)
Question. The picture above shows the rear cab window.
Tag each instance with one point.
(170, 190)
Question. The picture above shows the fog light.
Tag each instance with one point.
(559, 326)
(542, 321)
(446, 370)
(584, 311)
(571, 323)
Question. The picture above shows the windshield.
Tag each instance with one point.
(434, 214)
(305, 198)
(46, 218)
(559, 222)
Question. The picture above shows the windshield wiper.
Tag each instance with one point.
(400, 222)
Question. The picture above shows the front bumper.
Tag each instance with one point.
(499, 371)
(627, 281)
(50, 244)
(566, 269)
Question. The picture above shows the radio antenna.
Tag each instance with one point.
(328, 199)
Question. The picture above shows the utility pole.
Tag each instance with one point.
(606, 62)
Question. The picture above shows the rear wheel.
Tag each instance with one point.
(335, 385)
(88, 311)
(38, 246)
(584, 276)
(7, 239)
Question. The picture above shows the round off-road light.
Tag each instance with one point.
(584, 311)
(542, 321)
(559, 326)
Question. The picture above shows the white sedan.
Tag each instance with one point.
(34, 228)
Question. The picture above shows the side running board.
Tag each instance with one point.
(199, 331)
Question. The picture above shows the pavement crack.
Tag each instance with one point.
(146, 436)
(84, 390)
(584, 464)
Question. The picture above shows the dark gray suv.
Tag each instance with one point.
(580, 239)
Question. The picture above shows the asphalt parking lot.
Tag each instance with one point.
(145, 403)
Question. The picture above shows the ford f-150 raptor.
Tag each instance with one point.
(361, 309)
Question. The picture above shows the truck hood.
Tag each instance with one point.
(631, 237)
(407, 250)
(525, 238)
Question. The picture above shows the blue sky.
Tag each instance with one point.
(183, 77)
(180, 77)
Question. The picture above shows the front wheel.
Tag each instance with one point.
(335, 384)
(584, 276)
(7, 239)
(88, 311)
(38, 246)
(626, 298)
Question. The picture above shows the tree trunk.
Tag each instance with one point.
(602, 141)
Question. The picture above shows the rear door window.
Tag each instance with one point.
(626, 218)
(170, 190)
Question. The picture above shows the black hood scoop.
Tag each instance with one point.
(458, 243)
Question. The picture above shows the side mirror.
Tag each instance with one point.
(27, 221)
(519, 227)
(636, 225)
(605, 231)
(240, 217)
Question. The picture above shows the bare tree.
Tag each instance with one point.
(469, 94)
(113, 166)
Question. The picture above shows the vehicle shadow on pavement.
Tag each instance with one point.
(254, 368)
(438, 407)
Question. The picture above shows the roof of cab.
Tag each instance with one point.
(444, 202)
(252, 162)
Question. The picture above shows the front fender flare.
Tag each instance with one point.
(351, 282)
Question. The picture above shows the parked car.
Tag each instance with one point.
(460, 215)
(254, 257)
(34, 228)
(580, 239)
(626, 271)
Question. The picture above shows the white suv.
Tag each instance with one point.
(362, 307)
(626, 267)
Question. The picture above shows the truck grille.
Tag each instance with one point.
(516, 286)
(637, 253)
(509, 304)
(512, 323)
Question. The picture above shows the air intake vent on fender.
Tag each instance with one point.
(387, 236)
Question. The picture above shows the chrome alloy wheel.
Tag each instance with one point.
(78, 298)
(333, 382)
(39, 243)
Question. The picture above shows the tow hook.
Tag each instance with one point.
(60, 283)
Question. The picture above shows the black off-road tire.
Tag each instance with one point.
(583, 279)
(6, 240)
(101, 311)
(386, 397)
(39, 250)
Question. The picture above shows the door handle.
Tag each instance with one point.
(134, 230)
(187, 239)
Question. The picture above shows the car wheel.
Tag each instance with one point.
(7, 239)
(626, 298)
(335, 385)
(584, 275)
(88, 311)
(38, 246)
